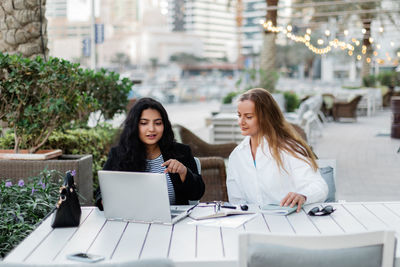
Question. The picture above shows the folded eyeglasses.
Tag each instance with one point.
(317, 211)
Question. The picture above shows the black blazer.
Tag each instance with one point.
(191, 189)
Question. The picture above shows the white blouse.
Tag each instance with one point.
(263, 182)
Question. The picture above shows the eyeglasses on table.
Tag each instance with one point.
(317, 211)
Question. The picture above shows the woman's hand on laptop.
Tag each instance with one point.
(174, 166)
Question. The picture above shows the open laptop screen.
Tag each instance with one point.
(135, 196)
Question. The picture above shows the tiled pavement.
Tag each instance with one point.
(368, 166)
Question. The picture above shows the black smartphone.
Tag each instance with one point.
(84, 257)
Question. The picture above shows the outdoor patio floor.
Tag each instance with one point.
(368, 165)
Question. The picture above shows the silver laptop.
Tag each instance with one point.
(138, 197)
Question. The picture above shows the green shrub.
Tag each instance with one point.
(369, 81)
(229, 97)
(23, 205)
(110, 91)
(388, 78)
(39, 97)
(95, 141)
(291, 101)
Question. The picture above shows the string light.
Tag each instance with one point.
(363, 31)
(306, 40)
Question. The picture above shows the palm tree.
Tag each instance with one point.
(23, 27)
(268, 50)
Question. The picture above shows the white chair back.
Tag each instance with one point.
(372, 249)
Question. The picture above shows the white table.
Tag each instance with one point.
(191, 245)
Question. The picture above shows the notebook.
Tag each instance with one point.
(276, 209)
(138, 197)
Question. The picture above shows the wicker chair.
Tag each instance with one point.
(346, 110)
(327, 106)
(214, 176)
(299, 131)
(201, 148)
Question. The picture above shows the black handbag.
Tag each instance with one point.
(68, 211)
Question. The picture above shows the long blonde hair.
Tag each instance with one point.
(281, 136)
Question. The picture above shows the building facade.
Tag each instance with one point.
(212, 20)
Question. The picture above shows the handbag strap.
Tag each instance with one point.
(69, 180)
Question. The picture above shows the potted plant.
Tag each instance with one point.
(38, 97)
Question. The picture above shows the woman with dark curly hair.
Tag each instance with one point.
(147, 144)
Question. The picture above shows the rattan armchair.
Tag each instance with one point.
(346, 110)
(327, 105)
(213, 173)
(201, 148)
(299, 131)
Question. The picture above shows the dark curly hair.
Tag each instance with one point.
(130, 149)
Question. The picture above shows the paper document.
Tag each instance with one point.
(201, 213)
(276, 209)
(225, 222)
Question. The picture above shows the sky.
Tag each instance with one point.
(80, 10)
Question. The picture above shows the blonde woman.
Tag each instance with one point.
(273, 164)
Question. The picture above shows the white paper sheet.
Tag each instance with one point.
(232, 221)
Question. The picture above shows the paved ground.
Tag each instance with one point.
(368, 166)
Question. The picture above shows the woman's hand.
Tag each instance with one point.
(174, 166)
(292, 199)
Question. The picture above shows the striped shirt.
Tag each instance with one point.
(154, 166)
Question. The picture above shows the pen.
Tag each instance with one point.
(228, 207)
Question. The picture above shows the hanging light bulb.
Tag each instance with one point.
(346, 32)
(320, 41)
(378, 46)
(371, 40)
(391, 43)
(350, 53)
(327, 32)
(375, 53)
(358, 57)
(381, 29)
(363, 31)
(308, 31)
(368, 60)
(307, 37)
(289, 28)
